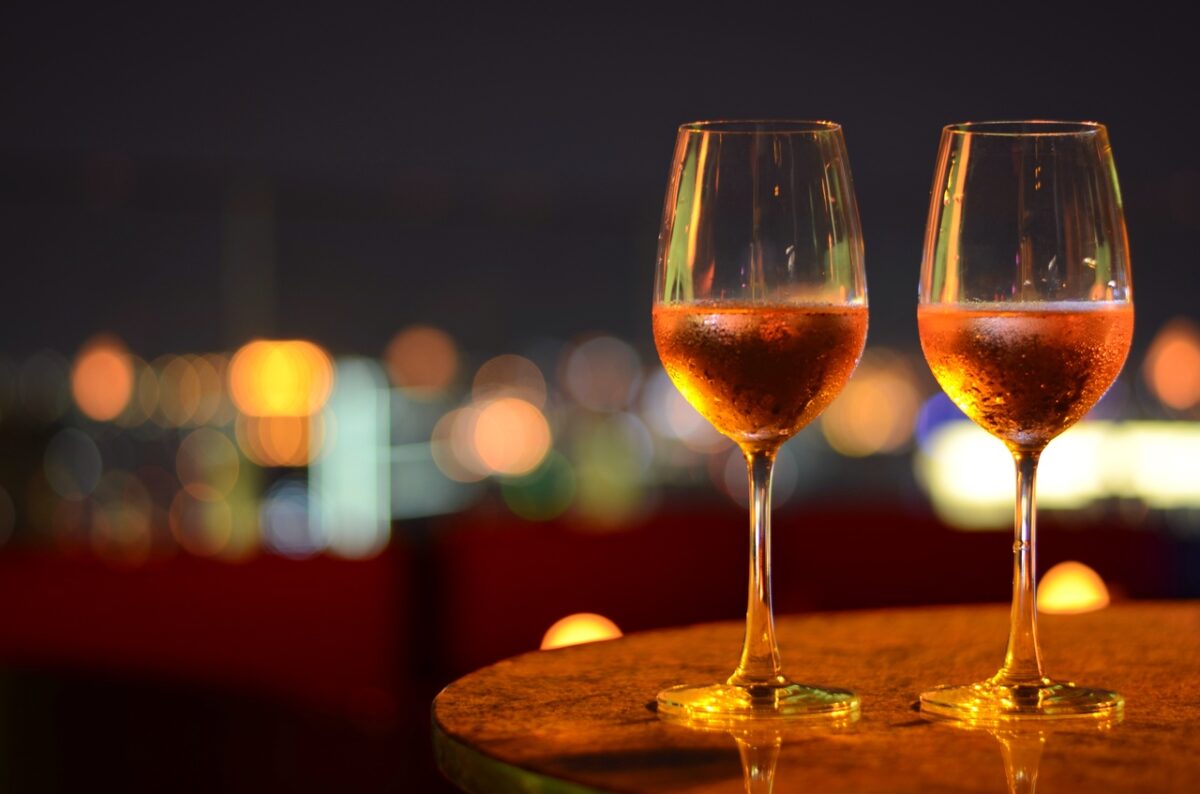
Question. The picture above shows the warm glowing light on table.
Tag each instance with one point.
(579, 628)
(1070, 588)
(102, 378)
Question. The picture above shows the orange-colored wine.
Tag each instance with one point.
(759, 373)
(1025, 372)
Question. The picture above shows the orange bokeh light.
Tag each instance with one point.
(579, 628)
(281, 440)
(102, 378)
(876, 411)
(1172, 366)
(510, 376)
(422, 358)
(511, 436)
(291, 378)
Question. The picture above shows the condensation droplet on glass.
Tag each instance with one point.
(1112, 285)
(946, 198)
(1026, 283)
(1090, 262)
(1053, 261)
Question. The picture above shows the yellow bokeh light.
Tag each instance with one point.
(579, 628)
(1070, 588)
(422, 358)
(876, 411)
(280, 378)
(511, 436)
(102, 378)
(1172, 368)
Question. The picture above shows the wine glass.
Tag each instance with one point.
(760, 316)
(1026, 316)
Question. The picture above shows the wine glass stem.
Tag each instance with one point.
(1023, 660)
(760, 654)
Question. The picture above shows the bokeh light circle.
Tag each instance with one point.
(511, 436)
(423, 359)
(102, 378)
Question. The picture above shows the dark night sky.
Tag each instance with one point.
(502, 174)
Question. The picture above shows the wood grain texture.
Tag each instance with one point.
(582, 719)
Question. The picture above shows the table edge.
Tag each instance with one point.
(464, 765)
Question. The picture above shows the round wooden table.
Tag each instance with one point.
(581, 719)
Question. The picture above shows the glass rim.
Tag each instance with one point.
(761, 127)
(1026, 128)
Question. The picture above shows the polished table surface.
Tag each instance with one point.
(581, 719)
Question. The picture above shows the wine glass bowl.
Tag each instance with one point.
(760, 317)
(1025, 315)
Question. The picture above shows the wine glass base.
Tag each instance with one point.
(993, 701)
(734, 704)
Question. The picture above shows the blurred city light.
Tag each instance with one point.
(207, 463)
(210, 376)
(1070, 588)
(611, 456)
(735, 479)
(876, 411)
(286, 441)
(543, 494)
(179, 390)
(287, 527)
(1156, 462)
(102, 378)
(200, 526)
(278, 448)
(422, 359)
(671, 416)
(146, 392)
(969, 474)
(351, 482)
(420, 488)
(290, 378)
(511, 436)
(579, 628)
(510, 376)
(935, 412)
(602, 374)
(72, 464)
(1172, 366)
(453, 445)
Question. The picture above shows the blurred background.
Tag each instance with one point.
(326, 374)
